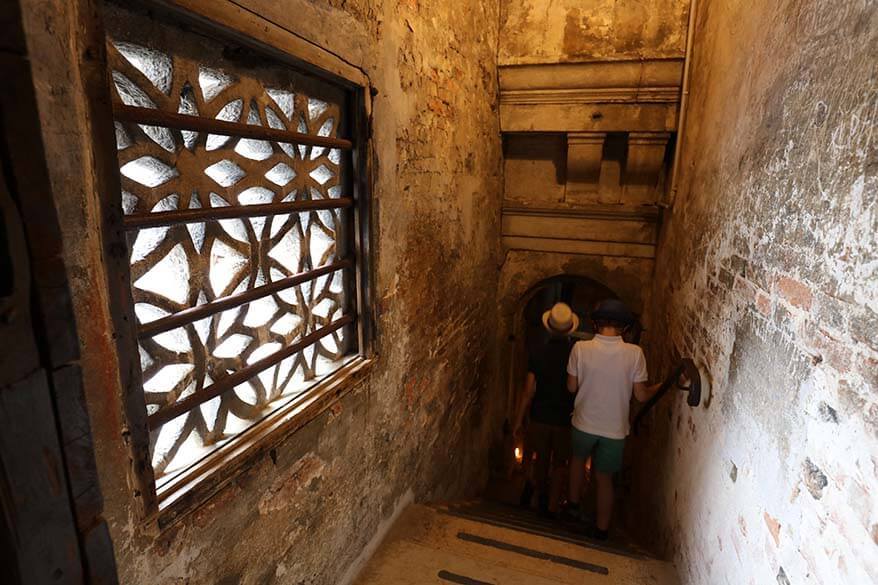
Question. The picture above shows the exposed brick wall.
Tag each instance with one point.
(767, 275)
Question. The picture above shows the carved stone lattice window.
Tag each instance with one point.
(236, 175)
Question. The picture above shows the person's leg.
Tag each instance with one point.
(543, 447)
(560, 463)
(536, 441)
(607, 461)
(556, 490)
(577, 470)
(580, 447)
(605, 499)
(527, 466)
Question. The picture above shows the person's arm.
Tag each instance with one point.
(572, 383)
(573, 371)
(642, 392)
(527, 395)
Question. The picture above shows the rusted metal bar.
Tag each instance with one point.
(192, 314)
(145, 220)
(244, 374)
(669, 382)
(154, 117)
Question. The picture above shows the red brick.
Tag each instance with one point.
(773, 527)
(763, 304)
(868, 368)
(796, 293)
(745, 288)
(832, 351)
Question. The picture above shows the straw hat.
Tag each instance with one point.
(560, 320)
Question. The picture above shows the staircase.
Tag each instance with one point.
(483, 543)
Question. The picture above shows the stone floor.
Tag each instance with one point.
(476, 544)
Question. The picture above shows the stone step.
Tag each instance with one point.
(430, 545)
(526, 520)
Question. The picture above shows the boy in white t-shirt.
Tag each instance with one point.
(603, 372)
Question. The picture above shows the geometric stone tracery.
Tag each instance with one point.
(183, 265)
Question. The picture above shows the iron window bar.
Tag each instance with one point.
(164, 218)
(137, 221)
(192, 314)
(227, 383)
(155, 117)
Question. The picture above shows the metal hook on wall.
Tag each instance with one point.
(689, 381)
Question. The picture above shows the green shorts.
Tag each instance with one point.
(606, 453)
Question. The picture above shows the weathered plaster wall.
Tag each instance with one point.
(420, 423)
(767, 274)
(566, 31)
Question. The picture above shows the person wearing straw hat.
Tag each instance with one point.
(602, 373)
(549, 405)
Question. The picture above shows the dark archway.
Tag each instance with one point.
(580, 292)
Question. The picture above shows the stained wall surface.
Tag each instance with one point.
(418, 426)
(766, 274)
(567, 31)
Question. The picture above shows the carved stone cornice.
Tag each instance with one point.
(584, 151)
(646, 81)
(610, 95)
(646, 213)
(646, 154)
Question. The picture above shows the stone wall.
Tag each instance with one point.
(766, 274)
(419, 425)
(567, 31)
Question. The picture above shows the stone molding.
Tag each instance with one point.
(608, 95)
(584, 150)
(646, 154)
(647, 213)
(604, 117)
(647, 81)
(601, 230)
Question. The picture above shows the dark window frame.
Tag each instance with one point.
(202, 480)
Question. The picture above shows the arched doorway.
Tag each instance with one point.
(527, 335)
(580, 292)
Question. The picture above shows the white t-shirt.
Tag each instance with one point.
(606, 369)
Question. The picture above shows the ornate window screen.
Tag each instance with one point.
(236, 195)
